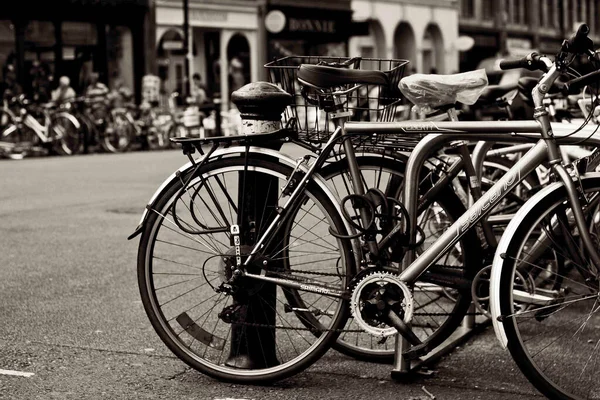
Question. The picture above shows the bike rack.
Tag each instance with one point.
(440, 134)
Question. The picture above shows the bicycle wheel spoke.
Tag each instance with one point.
(215, 319)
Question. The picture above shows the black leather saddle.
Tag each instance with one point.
(322, 76)
(493, 93)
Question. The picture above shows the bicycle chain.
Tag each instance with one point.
(299, 271)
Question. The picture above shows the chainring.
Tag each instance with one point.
(374, 296)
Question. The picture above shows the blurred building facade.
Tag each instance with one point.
(421, 31)
(231, 40)
(516, 27)
(219, 30)
(41, 40)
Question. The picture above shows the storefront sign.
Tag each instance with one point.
(275, 21)
(172, 45)
(319, 24)
(208, 15)
(464, 43)
(312, 25)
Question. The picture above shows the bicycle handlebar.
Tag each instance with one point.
(532, 62)
(578, 83)
(579, 42)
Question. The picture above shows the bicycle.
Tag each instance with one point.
(304, 190)
(36, 128)
(101, 125)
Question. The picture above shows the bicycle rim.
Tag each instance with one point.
(68, 136)
(118, 134)
(180, 262)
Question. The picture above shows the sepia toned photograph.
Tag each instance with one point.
(296, 199)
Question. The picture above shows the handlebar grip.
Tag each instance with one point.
(578, 83)
(579, 42)
(514, 64)
(581, 33)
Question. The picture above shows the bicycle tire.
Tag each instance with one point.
(549, 359)
(297, 336)
(119, 133)
(17, 140)
(70, 139)
(446, 316)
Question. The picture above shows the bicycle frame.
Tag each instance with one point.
(440, 133)
(456, 131)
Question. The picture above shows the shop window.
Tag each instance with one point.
(487, 9)
(39, 60)
(467, 8)
(120, 57)
(80, 41)
(238, 56)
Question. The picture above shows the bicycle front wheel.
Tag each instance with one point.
(549, 297)
(250, 330)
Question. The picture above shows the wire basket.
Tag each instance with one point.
(368, 103)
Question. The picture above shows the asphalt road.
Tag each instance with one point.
(71, 315)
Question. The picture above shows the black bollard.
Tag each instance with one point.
(252, 346)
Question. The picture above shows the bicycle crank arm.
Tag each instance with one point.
(403, 329)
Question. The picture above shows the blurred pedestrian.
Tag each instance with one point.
(96, 94)
(64, 92)
(236, 74)
(199, 91)
(95, 88)
(120, 95)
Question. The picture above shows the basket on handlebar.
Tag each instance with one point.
(368, 103)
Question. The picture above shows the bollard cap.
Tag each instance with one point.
(261, 101)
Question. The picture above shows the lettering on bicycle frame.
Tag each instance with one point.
(487, 201)
(428, 126)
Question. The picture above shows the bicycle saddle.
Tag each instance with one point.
(433, 91)
(494, 92)
(325, 77)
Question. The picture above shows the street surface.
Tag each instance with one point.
(71, 314)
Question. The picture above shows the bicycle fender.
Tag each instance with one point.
(70, 117)
(166, 185)
(550, 190)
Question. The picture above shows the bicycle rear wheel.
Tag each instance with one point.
(549, 298)
(186, 251)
